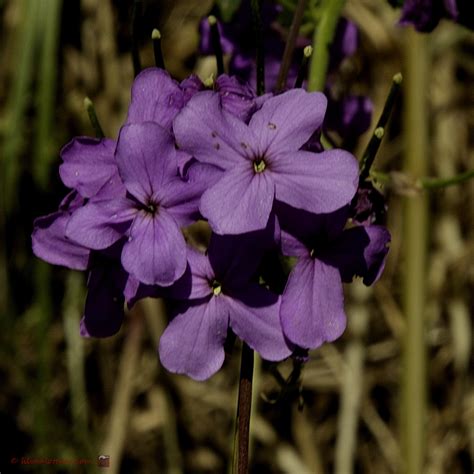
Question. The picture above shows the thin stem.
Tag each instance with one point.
(158, 53)
(90, 109)
(290, 45)
(307, 52)
(412, 435)
(322, 39)
(243, 409)
(369, 154)
(216, 43)
(435, 183)
(136, 12)
(258, 32)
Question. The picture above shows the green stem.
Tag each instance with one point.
(157, 52)
(216, 44)
(258, 32)
(322, 39)
(416, 119)
(136, 12)
(435, 183)
(369, 155)
(90, 109)
(290, 45)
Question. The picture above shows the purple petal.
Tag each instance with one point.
(236, 98)
(235, 258)
(254, 317)
(360, 251)
(312, 307)
(193, 342)
(211, 134)
(51, 244)
(315, 182)
(190, 86)
(292, 247)
(146, 159)
(103, 313)
(287, 121)
(181, 197)
(155, 253)
(99, 224)
(88, 164)
(240, 202)
(155, 98)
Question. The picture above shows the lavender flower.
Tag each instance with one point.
(154, 203)
(312, 308)
(222, 296)
(262, 161)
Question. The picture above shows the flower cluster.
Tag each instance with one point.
(241, 162)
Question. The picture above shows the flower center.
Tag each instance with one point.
(216, 288)
(259, 165)
(151, 207)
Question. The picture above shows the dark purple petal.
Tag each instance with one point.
(103, 313)
(285, 122)
(193, 342)
(350, 116)
(146, 158)
(254, 317)
(359, 251)
(181, 197)
(312, 307)
(424, 15)
(89, 164)
(315, 182)
(211, 134)
(235, 258)
(99, 224)
(240, 202)
(236, 98)
(346, 42)
(51, 244)
(205, 43)
(155, 98)
(293, 247)
(190, 86)
(155, 253)
(307, 226)
(369, 205)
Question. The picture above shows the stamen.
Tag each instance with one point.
(156, 38)
(216, 43)
(216, 288)
(89, 106)
(259, 165)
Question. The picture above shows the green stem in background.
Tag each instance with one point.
(216, 43)
(307, 52)
(290, 45)
(369, 154)
(50, 17)
(436, 183)
(323, 37)
(429, 183)
(90, 109)
(244, 405)
(258, 32)
(413, 383)
(136, 13)
(158, 53)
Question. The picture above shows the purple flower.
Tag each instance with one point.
(368, 205)
(154, 204)
(425, 15)
(222, 296)
(49, 241)
(262, 161)
(312, 308)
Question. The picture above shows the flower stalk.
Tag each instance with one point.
(244, 406)
(290, 45)
(322, 39)
(157, 52)
(413, 386)
(90, 109)
(216, 44)
(258, 32)
(136, 12)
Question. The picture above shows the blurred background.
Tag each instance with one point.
(67, 398)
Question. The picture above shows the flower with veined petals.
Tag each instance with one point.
(262, 161)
